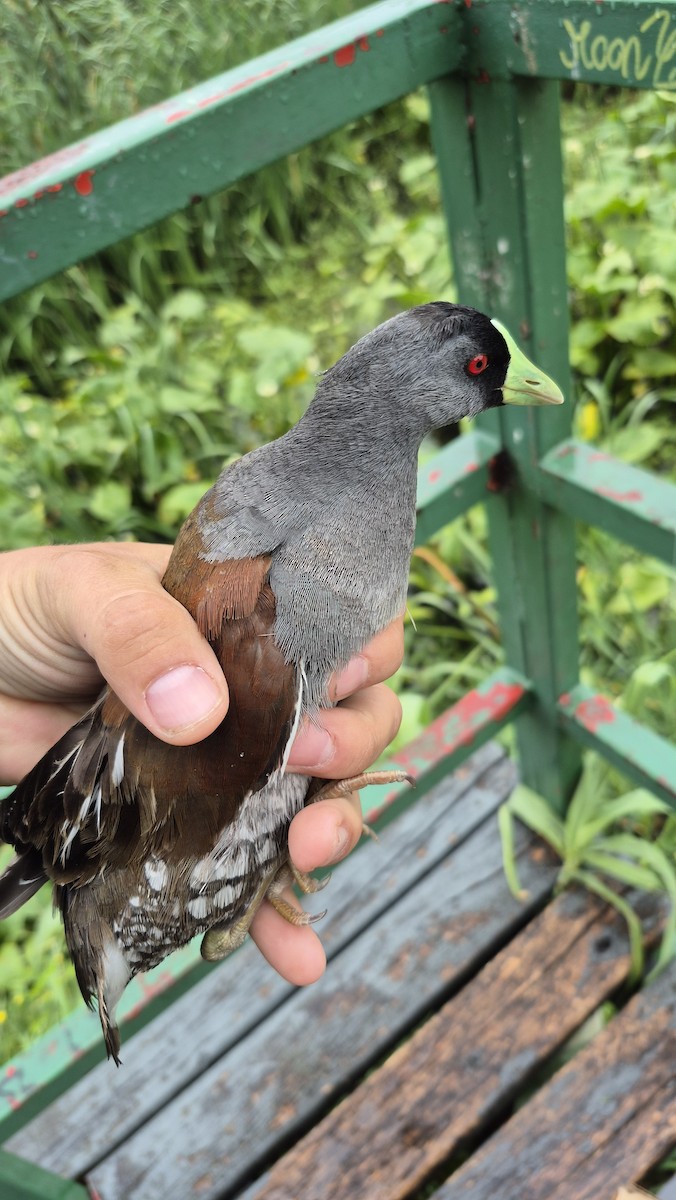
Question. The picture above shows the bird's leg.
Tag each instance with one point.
(285, 877)
(219, 942)
(336, 788)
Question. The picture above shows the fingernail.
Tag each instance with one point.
(182, 697)
(341, 845)
(352, 677)
(312, 748)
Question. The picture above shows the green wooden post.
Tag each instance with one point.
(498, 147)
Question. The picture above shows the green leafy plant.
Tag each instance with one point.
(603, 840)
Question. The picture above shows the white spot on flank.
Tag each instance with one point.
(156, 873)
(116, 974)
(202, 873)
(118, 764)
(134, 901)
(199, 907)
(225, 897)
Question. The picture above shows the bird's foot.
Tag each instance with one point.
(335, 789)
(286, 877)
(218, 942)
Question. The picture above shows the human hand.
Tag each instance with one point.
(72, 614)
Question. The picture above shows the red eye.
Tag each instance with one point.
(477, 364)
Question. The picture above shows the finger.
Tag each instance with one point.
(294, 951)
(324, 833)
(344, 741)
(145, 644)
(378, 661)
(27, 730)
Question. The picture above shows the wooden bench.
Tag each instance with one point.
(445, 1002)
(428, 1061)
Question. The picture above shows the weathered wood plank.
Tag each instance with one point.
(437, 1092)
(273, 1084)
(108, 1105)
(604, 1120)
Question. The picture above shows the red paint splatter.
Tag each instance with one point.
(54, 187)
(363, 44)
(20, 203)
(345, 56)
(19, 178)
(3, 212)
(324, 58)
(564, 698)
(433, 476)
(599, 456)
(631, 497)
(471, 466)
(83, 183)
(594, 712)
(566, 451)
(31, 254)
(10, 1071)
(468, 3)
(459, 726)
(380, 32)
(483, 76)
(245, 83)
(38, 195)
(14, 1104)
(212, 99)
(178, 115)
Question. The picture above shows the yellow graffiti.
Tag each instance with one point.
(645, 55)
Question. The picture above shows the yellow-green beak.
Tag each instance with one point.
(526, 384)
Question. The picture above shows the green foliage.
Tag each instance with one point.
(37, 983)
(604, 840)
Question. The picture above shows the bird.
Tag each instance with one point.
(294, 559)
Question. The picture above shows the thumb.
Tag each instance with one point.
(145, 644)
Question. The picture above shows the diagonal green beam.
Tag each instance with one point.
(122, 179)
(642, 755)
(634, 505)
(21, 1180)
(453, 480)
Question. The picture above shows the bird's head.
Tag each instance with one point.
(439, 362)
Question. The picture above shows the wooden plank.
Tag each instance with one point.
(280, 1079)
(604, 1120)
(108, 1105)
(636, 506)
(438, 1091)
(629, 43)
(640, 753)
(452, 481)
(115, 182)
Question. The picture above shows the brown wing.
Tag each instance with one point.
(109, 790)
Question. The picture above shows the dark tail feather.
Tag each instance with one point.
(23, 877)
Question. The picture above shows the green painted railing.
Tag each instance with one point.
(492, 69)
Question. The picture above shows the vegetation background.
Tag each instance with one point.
(128, 381)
